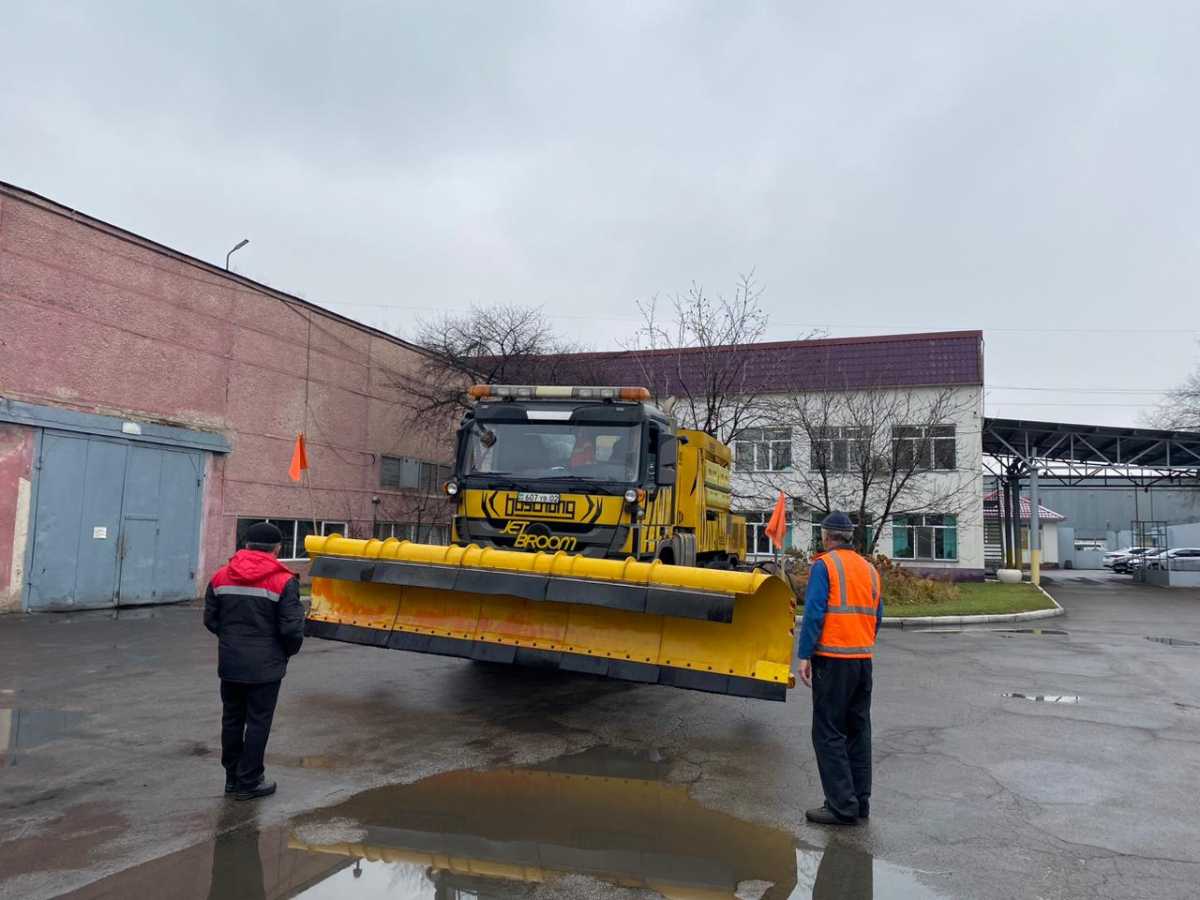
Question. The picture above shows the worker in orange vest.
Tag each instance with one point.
(842, 613)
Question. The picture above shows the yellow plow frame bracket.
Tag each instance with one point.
(704, 629)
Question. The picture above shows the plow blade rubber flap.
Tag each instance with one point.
(705, 629)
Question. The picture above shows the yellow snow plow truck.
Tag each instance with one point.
(590, 535)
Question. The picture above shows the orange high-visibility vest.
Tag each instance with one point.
(849, 628)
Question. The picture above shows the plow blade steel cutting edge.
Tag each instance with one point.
(704, 629)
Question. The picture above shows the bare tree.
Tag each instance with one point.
(874, 453)
(687, 363)
(1180, 410)
(494, 344)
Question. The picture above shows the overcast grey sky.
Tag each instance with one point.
(1029, 168)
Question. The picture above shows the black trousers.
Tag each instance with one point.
(841, 732)
(245, 726)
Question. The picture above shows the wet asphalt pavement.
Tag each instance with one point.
(1057, 762)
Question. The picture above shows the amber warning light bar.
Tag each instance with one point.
(555, 392)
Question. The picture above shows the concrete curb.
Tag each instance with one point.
(926, 621)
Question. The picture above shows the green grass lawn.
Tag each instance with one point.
(977, 598)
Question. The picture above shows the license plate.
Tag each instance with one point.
(525, 497)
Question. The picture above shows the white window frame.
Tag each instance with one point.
(848, 441)
(869, 533)
(914, 541)
(415, 474)
(925, 441)
(325, 527)
(756, 523)
(767, 449)
(437, 533)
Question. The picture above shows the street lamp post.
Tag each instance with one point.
(242, 243)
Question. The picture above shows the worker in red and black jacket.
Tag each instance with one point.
(253, 606)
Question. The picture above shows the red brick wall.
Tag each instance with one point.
(98, 322)
(16, 462)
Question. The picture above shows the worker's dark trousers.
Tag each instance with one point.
(245, 727)
(841, 732)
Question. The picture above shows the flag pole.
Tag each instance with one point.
(312, 501)
(298, 471)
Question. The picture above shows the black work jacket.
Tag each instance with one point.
(253, 606)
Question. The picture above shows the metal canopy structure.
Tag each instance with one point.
(1074, 455)
(1070, 454)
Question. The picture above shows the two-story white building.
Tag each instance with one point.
(886, 428)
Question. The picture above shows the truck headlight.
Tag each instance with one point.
(631, 496)
(452, 488)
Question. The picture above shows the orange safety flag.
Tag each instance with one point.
(777, 527)
(299, 458)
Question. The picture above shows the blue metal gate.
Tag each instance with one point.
(115, 523)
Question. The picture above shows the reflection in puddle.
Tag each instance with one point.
(1044, 698)
(602, 814)
(23, 729)
(292, 761)
(1174, 642)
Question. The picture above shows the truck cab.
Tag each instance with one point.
(594, 471)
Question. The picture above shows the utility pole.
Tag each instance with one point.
(1035, 534)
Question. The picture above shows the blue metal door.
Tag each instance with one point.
(159, 538)
(77, 522)
(115, 523)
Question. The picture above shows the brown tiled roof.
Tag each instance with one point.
(1045, 513)
(886, 361)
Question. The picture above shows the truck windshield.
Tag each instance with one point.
(536, 450)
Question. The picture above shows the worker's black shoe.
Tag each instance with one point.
(230, 786)
(264, 788)
(864, 810)
(823, 815)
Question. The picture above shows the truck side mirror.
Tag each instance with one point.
(667, 450)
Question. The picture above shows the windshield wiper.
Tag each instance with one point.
(589, 483)
(498, 481)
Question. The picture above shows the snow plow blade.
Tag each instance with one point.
(703, 629)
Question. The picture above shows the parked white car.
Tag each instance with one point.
(1179, 559)
(1113, 555)
(1131, 558)
(1115, 559)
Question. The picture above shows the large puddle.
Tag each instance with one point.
(514, 833)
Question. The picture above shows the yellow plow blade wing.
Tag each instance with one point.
(705, 629)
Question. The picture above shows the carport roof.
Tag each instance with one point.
(1095, 446)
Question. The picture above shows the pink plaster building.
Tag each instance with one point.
(149, 402)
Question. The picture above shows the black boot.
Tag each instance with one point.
(864, 809)
(264, 788)
(823, 815)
